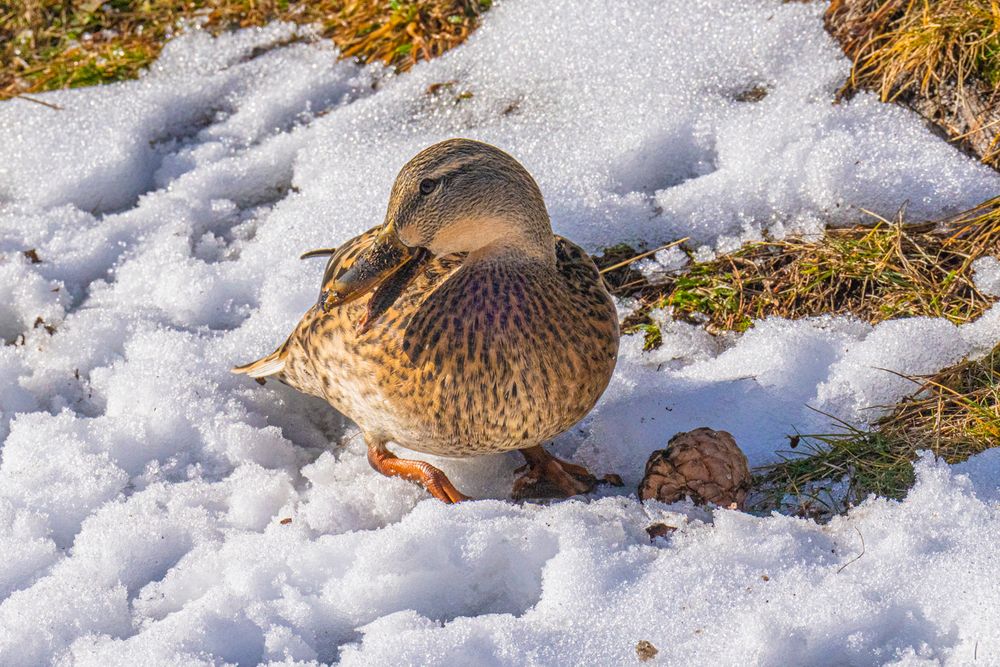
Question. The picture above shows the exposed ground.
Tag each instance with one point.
(876, 272)
(52, 44)
(954, 413)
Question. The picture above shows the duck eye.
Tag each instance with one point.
(427, 186)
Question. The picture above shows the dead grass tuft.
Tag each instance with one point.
(51, 44)
(941, 57)
(875, 273)
(408, 32)
(919, 44)
(954, 413)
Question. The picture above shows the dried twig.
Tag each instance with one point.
(27, 98)
(856, 558)
(642, 255)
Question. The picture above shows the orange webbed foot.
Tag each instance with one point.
(432, 479)
(550, 477)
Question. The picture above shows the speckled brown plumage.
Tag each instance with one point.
(486, 349)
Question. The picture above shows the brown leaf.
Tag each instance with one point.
(645, 650)
(659, 530)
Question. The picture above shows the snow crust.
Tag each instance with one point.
(143, 487)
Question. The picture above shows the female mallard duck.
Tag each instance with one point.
(481, 332)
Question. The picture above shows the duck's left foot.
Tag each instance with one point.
(550, 477)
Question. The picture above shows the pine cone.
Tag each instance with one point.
(704, 464)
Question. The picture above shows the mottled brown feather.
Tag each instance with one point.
(500, 348)
(469, 360)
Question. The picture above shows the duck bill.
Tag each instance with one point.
(386, 267)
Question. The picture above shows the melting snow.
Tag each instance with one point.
(143, 487)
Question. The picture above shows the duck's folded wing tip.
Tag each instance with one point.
(318, 252)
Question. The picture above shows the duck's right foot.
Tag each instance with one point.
(432, 479)
(550, 477)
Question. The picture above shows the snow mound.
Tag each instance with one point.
(150, 231)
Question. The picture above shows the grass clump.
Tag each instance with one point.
(51, 44)
(875, 273)
(828, 473)
(942, 57)
(954, 413)
(403, 33)
(918, 44)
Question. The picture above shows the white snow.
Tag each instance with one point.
(987, 275)
(143, 487)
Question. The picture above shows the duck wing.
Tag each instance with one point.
(575, 264)
(341, 259)
(344, 257)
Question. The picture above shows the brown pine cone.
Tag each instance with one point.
(704, 464)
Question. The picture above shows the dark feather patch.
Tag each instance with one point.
(391, 288)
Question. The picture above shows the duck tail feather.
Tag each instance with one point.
(272, 364)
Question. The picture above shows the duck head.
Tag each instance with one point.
(457, 196)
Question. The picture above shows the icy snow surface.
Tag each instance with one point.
(143, 487)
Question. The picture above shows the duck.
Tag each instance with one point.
(461, 326)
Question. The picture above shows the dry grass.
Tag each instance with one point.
(942, 57)
(917, 45)
(954, 413)
(875, 273)
(50, 44)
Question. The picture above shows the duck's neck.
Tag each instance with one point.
(516, 251)
(514, 239)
